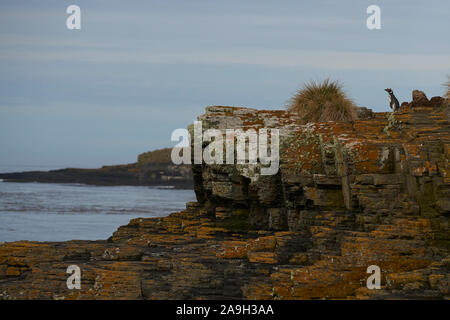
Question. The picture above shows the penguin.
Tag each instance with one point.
(393, 102)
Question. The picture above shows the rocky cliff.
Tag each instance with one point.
(347, 196)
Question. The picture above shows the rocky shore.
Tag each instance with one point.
(153, 168)
(348, 195)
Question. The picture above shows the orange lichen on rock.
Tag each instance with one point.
(347, 196)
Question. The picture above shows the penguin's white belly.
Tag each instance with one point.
(390, 100)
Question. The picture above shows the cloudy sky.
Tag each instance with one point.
(137, 70)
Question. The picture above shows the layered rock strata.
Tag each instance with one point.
(347, 196)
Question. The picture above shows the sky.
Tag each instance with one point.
(137, 70)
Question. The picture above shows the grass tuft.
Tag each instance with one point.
(323, 101)
(447, 84)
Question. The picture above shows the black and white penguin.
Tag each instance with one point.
(393, 102)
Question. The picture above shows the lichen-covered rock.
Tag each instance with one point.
(347, 196)
(394, 163)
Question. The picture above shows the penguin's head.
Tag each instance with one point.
(388, 90)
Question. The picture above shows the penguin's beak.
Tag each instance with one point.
(387, 90)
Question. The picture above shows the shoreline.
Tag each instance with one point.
(153, 186)
(153, 168)
(96, 177)
(348, 197)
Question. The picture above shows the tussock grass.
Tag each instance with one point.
(447, 84)
(323, 101)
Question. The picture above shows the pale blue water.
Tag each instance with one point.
(57, 212)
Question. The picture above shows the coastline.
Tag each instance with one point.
(348, 196)
(153, 168)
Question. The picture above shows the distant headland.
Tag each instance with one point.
(153, 168)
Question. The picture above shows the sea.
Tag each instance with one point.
(59, 212)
